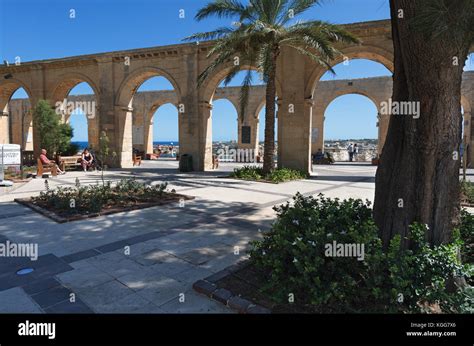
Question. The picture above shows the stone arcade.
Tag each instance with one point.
(115, 82)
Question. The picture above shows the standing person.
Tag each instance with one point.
(350, 150)
(87, 159)
(355, 152)
(45, 161)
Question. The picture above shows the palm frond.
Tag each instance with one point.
(210, 35)
(295, 8)
(224, 9)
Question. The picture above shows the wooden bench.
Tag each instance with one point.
(137, 160)
(69, 161)
(45, 168)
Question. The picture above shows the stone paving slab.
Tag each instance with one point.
(132, 303)
(195, 303)
(16, 300)
(104, 294)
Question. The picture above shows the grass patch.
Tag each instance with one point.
(278, 175)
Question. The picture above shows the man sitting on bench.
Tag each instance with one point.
(47, 162)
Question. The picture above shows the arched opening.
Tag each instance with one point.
(75, 98)
(81, 97)
(155, 121)
(244, 137)
(165, 132)
(225, 124)
(358, 88)
(345, 125)
(21, 120)
(15, 115)
(469, 66)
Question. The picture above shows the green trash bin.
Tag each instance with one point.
(185, 163)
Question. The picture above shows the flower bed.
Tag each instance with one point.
(278, 175)
(74, 203)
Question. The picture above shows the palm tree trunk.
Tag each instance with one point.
(418, 175)
(269, 145)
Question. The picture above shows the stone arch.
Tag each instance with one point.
(130, 84)
(67, 82)
(149, 121)
(354, 52)
(465, 104)
(124, 108)
(212, 83)
(8, 131)
(233, 101)
(61, 91)
(8, 87)
(259, 108)
(340, 93)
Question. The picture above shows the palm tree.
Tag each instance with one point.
(264, 27)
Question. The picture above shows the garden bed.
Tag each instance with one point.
(324, 255)
(240, 285)
(72, 204)
(279, 175)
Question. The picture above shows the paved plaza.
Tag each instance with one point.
(145, 261)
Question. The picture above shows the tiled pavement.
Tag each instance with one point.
(145, 261)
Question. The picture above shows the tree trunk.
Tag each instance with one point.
(418, 175)
(269, 146)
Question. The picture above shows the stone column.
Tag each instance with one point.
(205, 137)
(383, 121)
(123, 141)
(317, 129)
(38, 92)
(111, 116)
(294, 134)
(148, 129)
(294, 114)
(469, 133)
(93, 125)
(4, 127)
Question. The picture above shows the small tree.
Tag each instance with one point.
(104, 154)
(55, 136)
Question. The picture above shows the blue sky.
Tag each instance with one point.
(41, 29)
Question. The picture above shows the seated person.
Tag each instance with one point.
(87, 160)
(45, 161)
(318, 157)
(215, 162)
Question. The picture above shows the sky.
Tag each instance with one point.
(42, 29)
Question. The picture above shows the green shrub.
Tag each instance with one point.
(93, 198)
(285, 174)
(466, 231)
(71, 150)
(293, 258)
(277, 175)
(467, 191)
